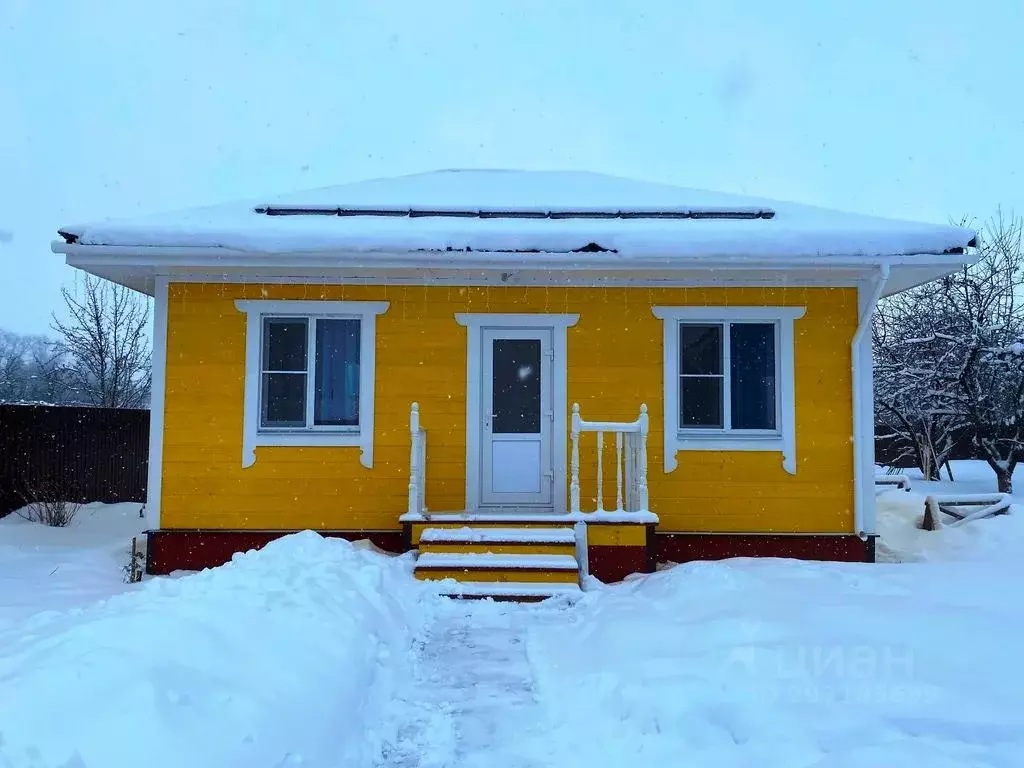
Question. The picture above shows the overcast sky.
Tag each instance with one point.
(110, 108)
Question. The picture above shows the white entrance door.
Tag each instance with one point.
(516, 402)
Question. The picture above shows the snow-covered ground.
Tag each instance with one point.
(899, 514)
(58, 569)
(317, 653)
(285, 657)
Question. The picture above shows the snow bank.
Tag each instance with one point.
(286, 656)
(57, 569)
(784, 663)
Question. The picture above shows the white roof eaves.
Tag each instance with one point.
(203, 256)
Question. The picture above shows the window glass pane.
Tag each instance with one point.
(284, 344)
(283, 400)
(515, 394)
(752, 365)
(700, 401)
(700, 349)
(337, 373)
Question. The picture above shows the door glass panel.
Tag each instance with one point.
(515, 397)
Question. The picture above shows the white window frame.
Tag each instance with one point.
(727, 429)
(253, 435)
(783, 437)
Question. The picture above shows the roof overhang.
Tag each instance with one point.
(138, 267)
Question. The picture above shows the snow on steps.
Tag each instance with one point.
(473, 560)
(466, 535)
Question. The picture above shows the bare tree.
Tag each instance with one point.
(50, 367)
(13, 366)
(910, 405)
(985, 335)
(105, 345)
(962, 351)
(30, 369)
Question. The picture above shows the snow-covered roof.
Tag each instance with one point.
(586, 216)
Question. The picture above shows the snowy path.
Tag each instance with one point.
(472, 701)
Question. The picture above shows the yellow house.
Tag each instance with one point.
(527, 376)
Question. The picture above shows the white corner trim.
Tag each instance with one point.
(862, 365)
(157, 395)
(558, 324)
(366, 312)
(715, 440)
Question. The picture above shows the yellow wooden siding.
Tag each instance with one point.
(614, 364)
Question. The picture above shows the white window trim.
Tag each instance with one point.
(252, 437)
(558, 325)
(676, 439)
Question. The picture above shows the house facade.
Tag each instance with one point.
(510, 371)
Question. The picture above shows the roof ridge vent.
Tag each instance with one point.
(520, 213)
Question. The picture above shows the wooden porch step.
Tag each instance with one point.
(499, 541)
(505, 568)
(514, 562)
(461, 521)
(520, 593)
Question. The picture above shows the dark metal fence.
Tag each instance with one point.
(82, 454)
(896, 453)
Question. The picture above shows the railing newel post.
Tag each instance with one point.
(618, 472)
(643, 500)
(414, 459)
(574, 483)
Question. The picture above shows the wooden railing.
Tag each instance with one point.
(630, 461)
(417, 464)
(885, 483)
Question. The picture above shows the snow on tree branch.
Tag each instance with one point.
(950, 355)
